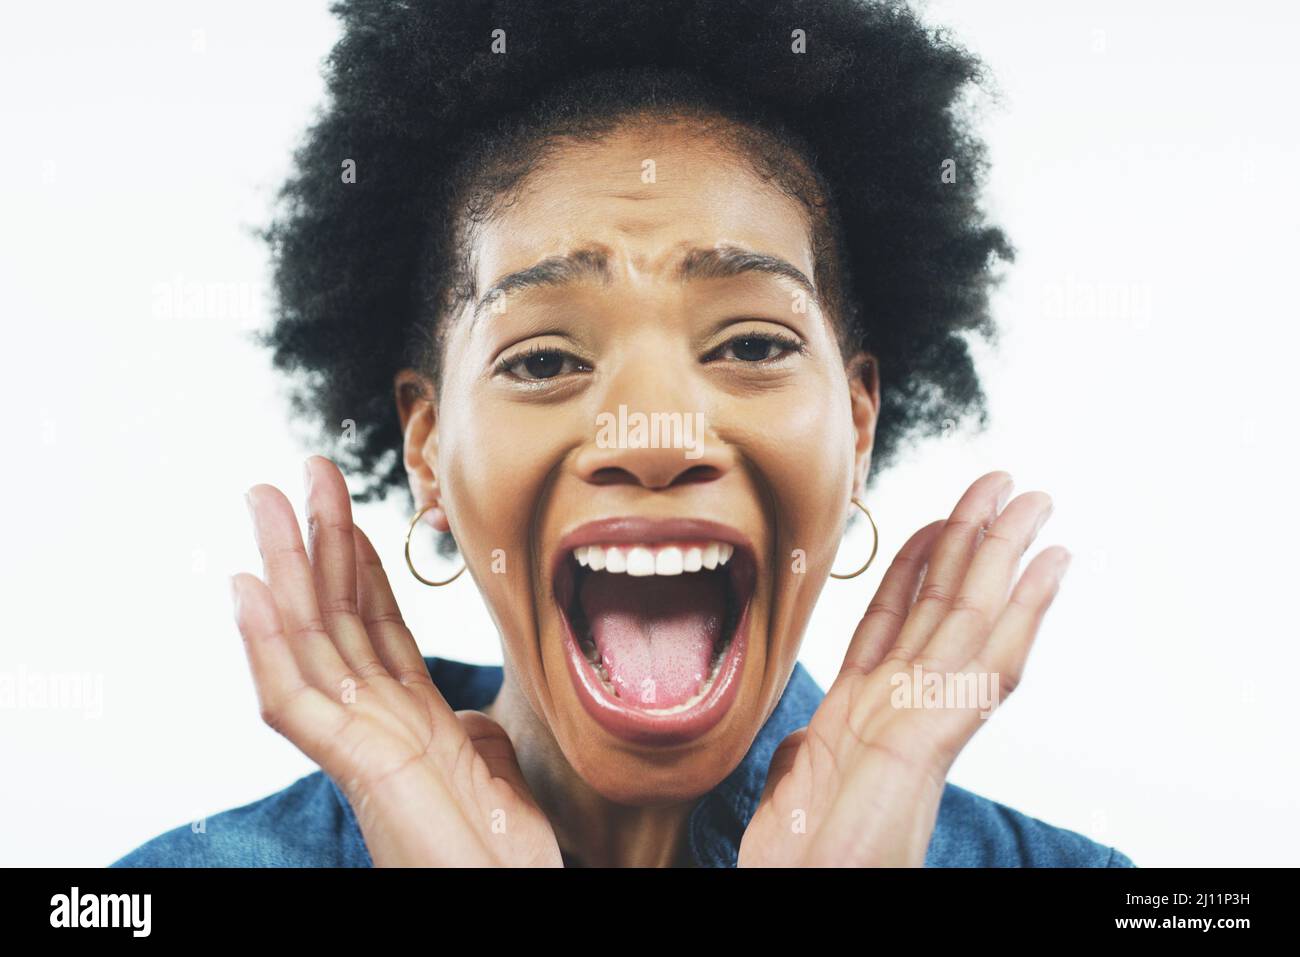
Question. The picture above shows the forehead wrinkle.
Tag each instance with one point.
(592, 261)
(728, 260)
(588, 262)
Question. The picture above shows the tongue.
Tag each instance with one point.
(655, 634)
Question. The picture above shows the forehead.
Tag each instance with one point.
(648, 196)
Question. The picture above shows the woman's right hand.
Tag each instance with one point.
(338, 674)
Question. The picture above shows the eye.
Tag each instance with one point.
(757, 347)
(540, 363)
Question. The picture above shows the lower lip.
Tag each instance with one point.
(641, 727)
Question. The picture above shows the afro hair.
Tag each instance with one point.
(443, 106)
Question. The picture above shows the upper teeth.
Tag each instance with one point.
(653, 559)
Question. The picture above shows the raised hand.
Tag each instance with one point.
(338, 674)
(861, 785)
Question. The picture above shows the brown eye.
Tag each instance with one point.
(538, 365)
(751, 348)
(543, 365)
(754, 348)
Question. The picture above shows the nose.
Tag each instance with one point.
(654, 444)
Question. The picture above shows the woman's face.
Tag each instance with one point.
(679, 309)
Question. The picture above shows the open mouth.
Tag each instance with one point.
(655, 614)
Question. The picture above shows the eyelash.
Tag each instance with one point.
(506, 363)
(788, 344)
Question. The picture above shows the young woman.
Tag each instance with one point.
(629, 297)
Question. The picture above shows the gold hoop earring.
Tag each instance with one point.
(874, 544)
(418, 576)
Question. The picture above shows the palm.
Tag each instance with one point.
(861, 785)
(831, 772)
(338, 673)
(400, 762)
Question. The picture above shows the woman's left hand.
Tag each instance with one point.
(860, 786)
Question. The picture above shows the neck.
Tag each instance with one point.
(591, 830)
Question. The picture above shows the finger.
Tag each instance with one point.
(974, 512)
(331, 551)
(495, 748)
(288, 702)
(782, 762)
(880, 625)
(391, 639)
(999, 665)
(1007, 649)
(983, 593)
(289, 576)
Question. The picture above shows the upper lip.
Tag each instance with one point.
(643, 530)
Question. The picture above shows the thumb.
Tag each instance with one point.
(782, 761)
(494, 747)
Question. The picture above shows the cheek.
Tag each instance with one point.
(494, 469)
(803, 452)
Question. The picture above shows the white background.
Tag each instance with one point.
(1143, 162)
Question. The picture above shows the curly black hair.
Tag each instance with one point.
(438, 109)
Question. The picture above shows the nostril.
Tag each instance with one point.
(613, 475)
(698, 473)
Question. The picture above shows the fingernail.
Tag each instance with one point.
(1062, 565)
(1043, 516)
(234, 594)
(252, 518)
(306, 475)
(1005, 493)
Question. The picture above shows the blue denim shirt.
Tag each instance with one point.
(310, 823)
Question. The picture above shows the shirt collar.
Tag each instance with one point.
(719, 819)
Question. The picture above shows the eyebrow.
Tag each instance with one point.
(592, 262)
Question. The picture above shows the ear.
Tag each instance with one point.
(864, 396)
(418, 412)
